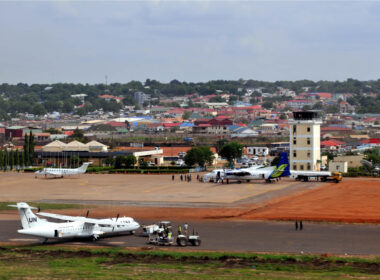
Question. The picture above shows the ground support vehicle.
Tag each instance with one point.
(184, 240)
(334, 177)
(161, 234)
(148, 230)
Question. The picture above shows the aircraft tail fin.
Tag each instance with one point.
(282, 169)
(28, 218)
(84, 166)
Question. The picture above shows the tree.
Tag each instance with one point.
(6, 159)
(124, 161)
(373, 156)
(220, 143)
(22, 161)
(11, 159)
(191, 157)
(267, 105)
(26, 151)
(78, 135)
(142, 163)
(38, 109)
(207, 156)
(199, 155)
(68, 106)
(217, 99)
(75, 160)
(186, 115)
(233, 99)
(31, 147)
(1, 159)
(332, 109)
(17, 158)
(231, 151)
(53, 130)
(130, 161)
(306, 108)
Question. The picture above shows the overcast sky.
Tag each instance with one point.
(82, 42)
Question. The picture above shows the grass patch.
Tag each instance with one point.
(118, 263)
(55, 206)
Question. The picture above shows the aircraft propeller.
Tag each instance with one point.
(117, 217)
(88, 212)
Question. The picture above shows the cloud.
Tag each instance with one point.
(191, 40)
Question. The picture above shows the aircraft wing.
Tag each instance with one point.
(78, 219)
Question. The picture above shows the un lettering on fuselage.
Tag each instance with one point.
(32, 220)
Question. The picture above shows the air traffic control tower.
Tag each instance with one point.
(305, 146)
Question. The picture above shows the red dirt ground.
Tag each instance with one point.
(354, 200)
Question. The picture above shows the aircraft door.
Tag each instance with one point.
(55, 233)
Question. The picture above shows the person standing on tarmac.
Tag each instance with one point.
(185, 227)
(179, 230)
(296, 225)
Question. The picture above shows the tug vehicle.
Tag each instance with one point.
(162, 235)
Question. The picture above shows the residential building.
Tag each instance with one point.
(140, 97)
(299, 103)
(338, 166)
(352, 160)
(258, 151)
(212, 126)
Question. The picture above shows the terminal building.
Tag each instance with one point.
(304, 141)
(59, 154)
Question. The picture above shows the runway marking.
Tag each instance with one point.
(84, 183)
(23, 239)
(159, 188)
(116, 242)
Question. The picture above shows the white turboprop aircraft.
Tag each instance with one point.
(61, 172)
(259, 173)
(220, 173)
(82, 227)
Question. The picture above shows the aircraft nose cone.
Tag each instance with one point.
(137, 225)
